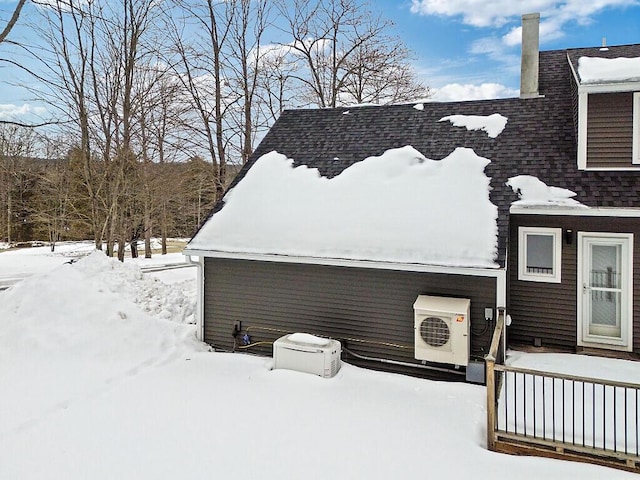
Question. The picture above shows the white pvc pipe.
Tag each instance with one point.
(199, 263)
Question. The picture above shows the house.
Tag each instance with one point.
(353, 223)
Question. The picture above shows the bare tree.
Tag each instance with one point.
(250, 20)
(277, 87)
(381, 72)
(52, 206)
(70, 35)
(126, 55)
(93, 57)
(201, 67)
(341, 43)
(17, 145)
(159, 116)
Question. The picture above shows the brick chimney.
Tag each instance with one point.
(530, 56)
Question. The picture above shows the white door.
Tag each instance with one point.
(605, 300)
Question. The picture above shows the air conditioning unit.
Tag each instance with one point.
(303, 352)
(442, 329)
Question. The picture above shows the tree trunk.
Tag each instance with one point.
(147, 230)
(147, 243)
(9, 214)
(121, 248)
(164, 229)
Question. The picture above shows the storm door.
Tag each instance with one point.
(604, 290)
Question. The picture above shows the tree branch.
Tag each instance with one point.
(12, 21)
(28, 125)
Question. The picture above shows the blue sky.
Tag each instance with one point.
(476, 42)
(464, 49)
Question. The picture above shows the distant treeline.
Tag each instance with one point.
(44, 199)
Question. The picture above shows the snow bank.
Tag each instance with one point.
(493, 125)
(534, 192)
(398, 207)
(53, 299)
(603, 70)
(80, 327)
(23, 262)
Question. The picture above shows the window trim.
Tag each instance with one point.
(583, 104)
(635, 155)
(556, 234)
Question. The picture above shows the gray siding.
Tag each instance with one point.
(609, 129)
(549, 310)
(365, 308)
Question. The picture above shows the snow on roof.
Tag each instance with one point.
(399, 207)
(603, 70)
(534, 192)
(492, 124)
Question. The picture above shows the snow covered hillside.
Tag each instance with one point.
(102, 378)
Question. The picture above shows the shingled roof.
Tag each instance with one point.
(539, 139)
(626, 51)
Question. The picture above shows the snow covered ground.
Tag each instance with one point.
(16, 264)
(102, 378)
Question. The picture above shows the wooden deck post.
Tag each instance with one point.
(490, 362)
(491, 402)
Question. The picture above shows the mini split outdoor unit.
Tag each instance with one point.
(303, 352)
(442, 329)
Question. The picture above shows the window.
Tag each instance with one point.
(539, 254)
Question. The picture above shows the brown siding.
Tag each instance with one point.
(609, 129)
(548, 311)
(367, 308)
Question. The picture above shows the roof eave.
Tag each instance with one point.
(339, 262)
(607, 87)
(575, 211)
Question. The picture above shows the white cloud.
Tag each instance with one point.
(10, 111)
(549, 30)
(488, 13)
(496, 13)
(496, 50)
(455, 92)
